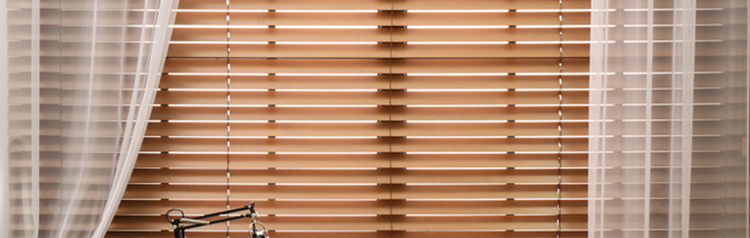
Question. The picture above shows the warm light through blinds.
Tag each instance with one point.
(370, 118)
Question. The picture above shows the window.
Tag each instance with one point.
(370, 118)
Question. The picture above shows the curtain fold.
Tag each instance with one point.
(668, 119)
(4, 177)
(77, 97)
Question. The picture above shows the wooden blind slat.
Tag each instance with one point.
(487, 145)
(368, 113)
(195, 160)
(377, 223)
(381, 5)
(371, 98)
(481, 223)
(378, 34)
(380, 18)
(372, 82)
(408, 51)
(356, 176)
(489, 4)
(376, 51)
(331, 129)
(375, 66)
(570, 65)
(361, 145)
(354, 192)
(265, 145)
(364, 129)
(366, 207)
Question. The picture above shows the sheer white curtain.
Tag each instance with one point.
(669, 118)
(77, 92)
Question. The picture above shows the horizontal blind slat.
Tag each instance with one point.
(369, 113)
(374, 51)
(361, 145)
(375, 66)
(353, 192)
(197, 33)
(364, 129)
(355, 176)
(195, 160)
(371, 98)
(380, 18)
(374, 223)
(132, 207)
(372, 82)
(381, 5)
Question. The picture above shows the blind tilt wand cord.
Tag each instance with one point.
(179, 228)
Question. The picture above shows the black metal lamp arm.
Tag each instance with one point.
(179, 230)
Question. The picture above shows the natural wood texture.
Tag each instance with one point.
(355, 176)
(381, 18)
(332, 145)
(186, 34)
(353, 66)
(373, 82)
(412, 119)
(382, 5)
(378, 223)
(371, 98)
(376, 51)
(400, 161)
(318, 192)
(365, 129)
(369, 113)
(366, 207)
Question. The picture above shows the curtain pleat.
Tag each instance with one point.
(77, 94)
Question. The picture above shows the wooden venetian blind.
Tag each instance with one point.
(370, 118)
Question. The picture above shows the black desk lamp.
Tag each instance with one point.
(179, 229)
